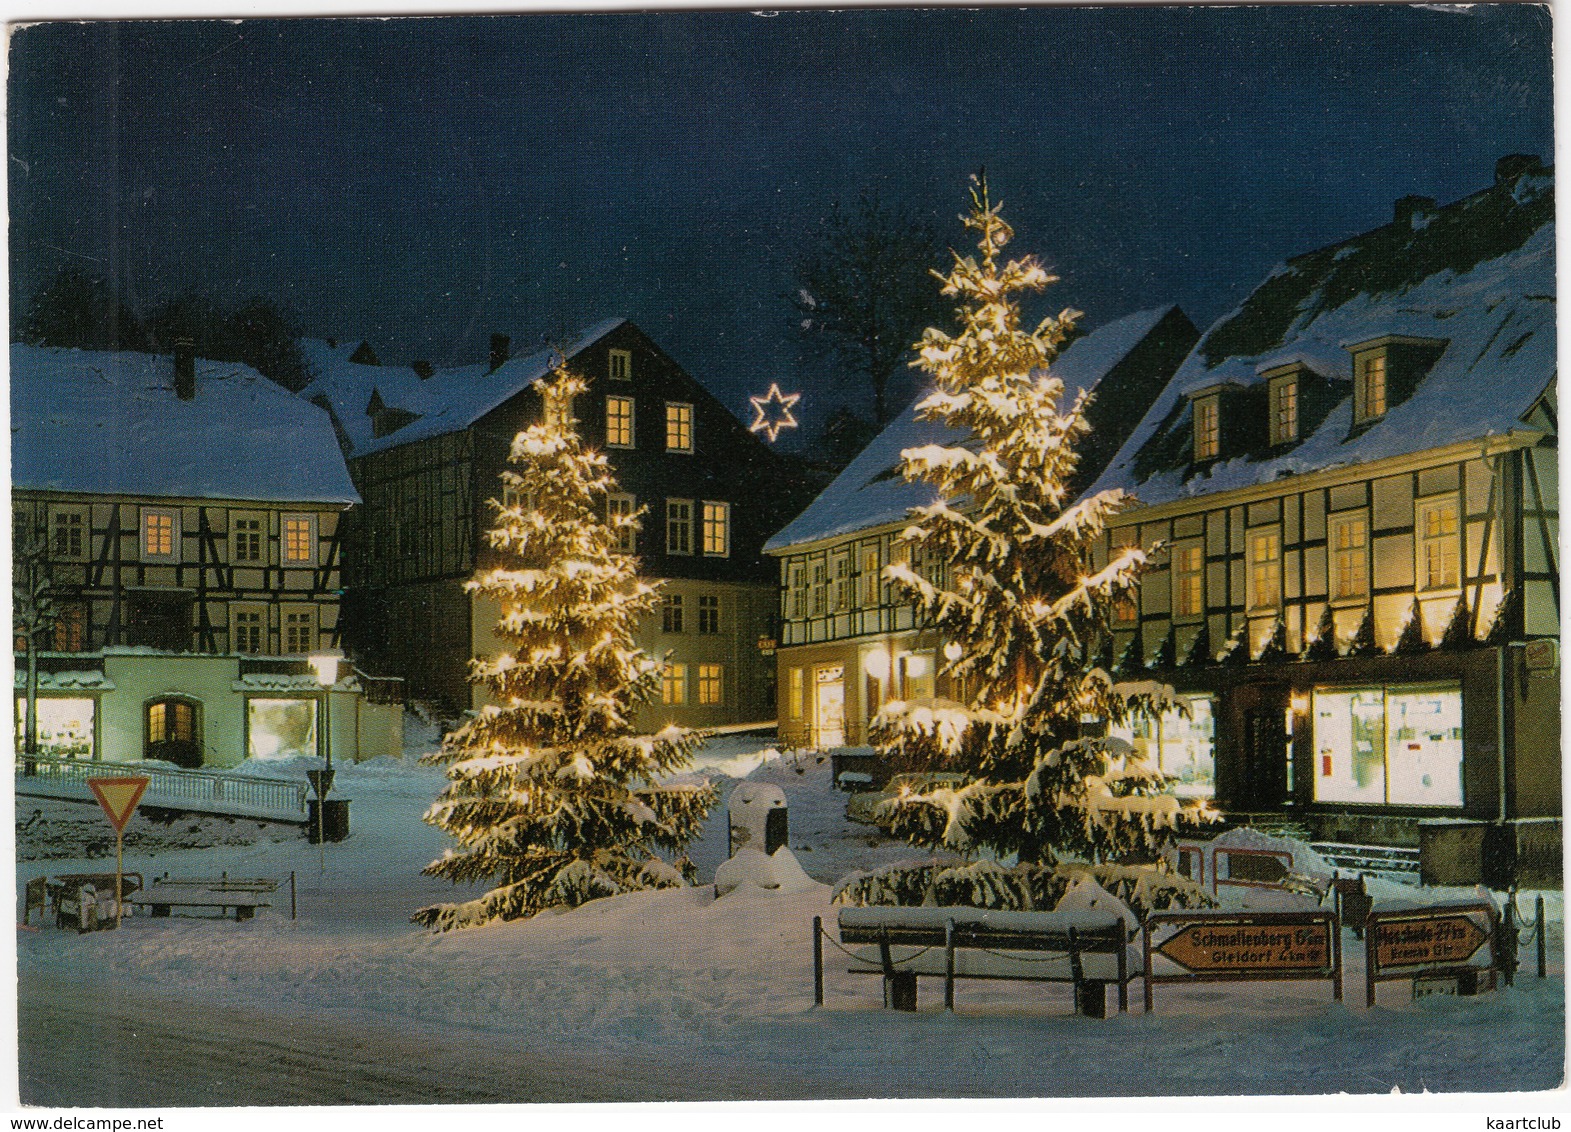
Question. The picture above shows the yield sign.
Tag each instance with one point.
(119, 796)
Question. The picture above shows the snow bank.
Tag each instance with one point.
(778, 872)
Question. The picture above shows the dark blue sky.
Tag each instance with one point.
(423, 182)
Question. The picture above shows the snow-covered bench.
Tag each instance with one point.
(1085, 949)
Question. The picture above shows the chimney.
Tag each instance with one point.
(1409, 207)
(422, 369)
(185, 369)
(500, 344)
(1513, 165)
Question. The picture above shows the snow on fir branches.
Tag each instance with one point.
(551, 794)
(1022, 603)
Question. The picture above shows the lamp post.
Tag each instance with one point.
(325, 667)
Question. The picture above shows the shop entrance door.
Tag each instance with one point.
(1265, 770)
(829, 708)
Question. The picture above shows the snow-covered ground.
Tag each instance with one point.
(663, 995)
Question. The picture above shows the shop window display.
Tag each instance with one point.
(1399, 746)
(1181, 746)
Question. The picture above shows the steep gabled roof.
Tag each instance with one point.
(110, 423)
(1476, 277)
(870, 492)
(447, 401)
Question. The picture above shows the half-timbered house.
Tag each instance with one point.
(426, 456)
(848, 642)
(177, 509)
(1353, 482)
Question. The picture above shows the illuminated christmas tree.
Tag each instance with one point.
(1022, 606)
(552, 796)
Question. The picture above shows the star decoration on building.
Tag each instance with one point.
(772, 422)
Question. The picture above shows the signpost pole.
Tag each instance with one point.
(119, 876)
(1542, 956)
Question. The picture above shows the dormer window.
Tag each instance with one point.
(1284, 408)
(1208, 427)
(1370, 389)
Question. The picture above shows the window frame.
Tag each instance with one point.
(173, 515)
(1254, 563)
(1189, 582)
(72, 627)
(684, 524)
(872, 575)
(672, 619)
(1208, 427)
(236, 535)
(1364, 407)
(1282, 396)
(624, 537)
(628, 403)
(285, 560)
(673, 684)
(82, 528)
(709, 614)
(1338, 557)
(236, 611)
(624, 372)
(679, 417)
(715, 516)
(1422, 541)
(711, 685)
(314, 628)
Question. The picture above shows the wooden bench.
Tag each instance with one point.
(244, 895)
(1084, 950)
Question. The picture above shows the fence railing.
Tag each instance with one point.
(201, 789)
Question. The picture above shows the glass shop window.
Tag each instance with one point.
(1399, 746)
(1183, 748)
(281, 729)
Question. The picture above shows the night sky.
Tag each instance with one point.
(423, 182)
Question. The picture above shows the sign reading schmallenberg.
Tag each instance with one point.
(1242, 947)
(1250, 947)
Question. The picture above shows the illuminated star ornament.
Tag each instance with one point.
(771, 419)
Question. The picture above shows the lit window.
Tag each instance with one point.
(248, 540)
(1126, 608)
(619, 422)
(1180, 746)
(1438, 549)
(1265, 569)
(679, 526)
(842, 589)
(71, 628)
(70, 534)
(678, 427)
(1284, 410)
(248, 631)
(300, 631)
(671, 613)
(1208, 428)
(1371, 387)
(673, 684)
(708, 613)
(794, 694)
(620, 514)
(621, 365)
(170, 721)
(299, 537)
(717, 528)
(709, 684)
(160, 533)
(870, 576)
(1398, 745)
(281, 729)
(1189, 561)
(1349, 557)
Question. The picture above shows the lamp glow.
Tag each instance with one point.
(325, 666)
(876, 664)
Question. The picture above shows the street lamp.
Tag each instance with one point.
(325, 667)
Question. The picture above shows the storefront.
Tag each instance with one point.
(1180, 743)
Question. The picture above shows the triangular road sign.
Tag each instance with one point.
(119, 796)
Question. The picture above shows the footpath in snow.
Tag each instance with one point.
(662, 995)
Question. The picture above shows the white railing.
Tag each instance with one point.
(206, 790)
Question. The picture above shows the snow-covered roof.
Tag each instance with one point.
(102, 423)
(89, 680)
(1476, 278)
(447, 401)
(870, 492)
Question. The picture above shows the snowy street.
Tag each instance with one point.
(663, 995)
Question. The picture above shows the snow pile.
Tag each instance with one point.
(778, 872)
